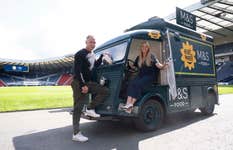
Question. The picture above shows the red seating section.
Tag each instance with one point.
(2, 83)
(65, 79)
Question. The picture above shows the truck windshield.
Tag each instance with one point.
(117, 52)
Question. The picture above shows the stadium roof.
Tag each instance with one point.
(213, 17)
(50, 64)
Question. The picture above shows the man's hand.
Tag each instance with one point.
(165, 65)
(84, 89)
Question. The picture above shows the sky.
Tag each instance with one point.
(40, 29)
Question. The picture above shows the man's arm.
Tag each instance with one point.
(78, 62)
(99, 61)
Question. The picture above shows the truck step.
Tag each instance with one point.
(99, 118)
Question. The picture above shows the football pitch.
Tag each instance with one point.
(35, 97)
(43, 97)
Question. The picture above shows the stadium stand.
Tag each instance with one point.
(50, 79)
(53, 71)
(225, 73)
(224, 65)
(64, 79)
(17, 80)
(224, 48)
(2, 83)
(68, 82)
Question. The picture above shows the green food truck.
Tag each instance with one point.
(189, 82)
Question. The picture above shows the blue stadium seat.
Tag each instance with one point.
(225, 72)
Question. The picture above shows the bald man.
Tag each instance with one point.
(84, 62)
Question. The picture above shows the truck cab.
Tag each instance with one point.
(188, 83)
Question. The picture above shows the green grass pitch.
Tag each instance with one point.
(42, 97)
(35, 97)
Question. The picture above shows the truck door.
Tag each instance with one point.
(113, 73)
(179, 98)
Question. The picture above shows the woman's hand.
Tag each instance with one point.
(162, 66)
(165, 66)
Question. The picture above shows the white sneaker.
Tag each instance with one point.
(92, 113)
(79, 137)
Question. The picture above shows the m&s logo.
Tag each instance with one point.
(188, 55)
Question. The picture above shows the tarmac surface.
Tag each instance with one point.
(52, 130)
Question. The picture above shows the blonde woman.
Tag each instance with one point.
(148, 66)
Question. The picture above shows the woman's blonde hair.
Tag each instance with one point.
(147, 58)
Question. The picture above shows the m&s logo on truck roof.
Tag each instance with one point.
(154, 34)
(188, 55)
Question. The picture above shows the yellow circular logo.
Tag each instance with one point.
(188, 55)
(203, 37)
(154, 34)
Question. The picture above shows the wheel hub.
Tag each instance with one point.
(150, 115)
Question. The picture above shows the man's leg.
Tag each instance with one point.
(79, 101)
(101, 93)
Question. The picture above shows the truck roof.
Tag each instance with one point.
(155, 24)
(163, 25)
(126, 35)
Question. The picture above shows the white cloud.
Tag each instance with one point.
(43, 29)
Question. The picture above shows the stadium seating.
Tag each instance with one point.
(225, 73)
(68, 82)
(35, 79)
(219, 64)
(224, 48)
(54, 78)
(2, 83)
(65, 79)
(6, 79)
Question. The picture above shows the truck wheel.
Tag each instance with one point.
(150, 117)
(210, 104)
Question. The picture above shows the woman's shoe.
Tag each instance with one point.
(129, 110)
(127, 106)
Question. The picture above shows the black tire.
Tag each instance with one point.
(150, 117)
(210, 104)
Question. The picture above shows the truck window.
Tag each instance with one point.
(156, 49)
(135, 48)
(117, 52)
